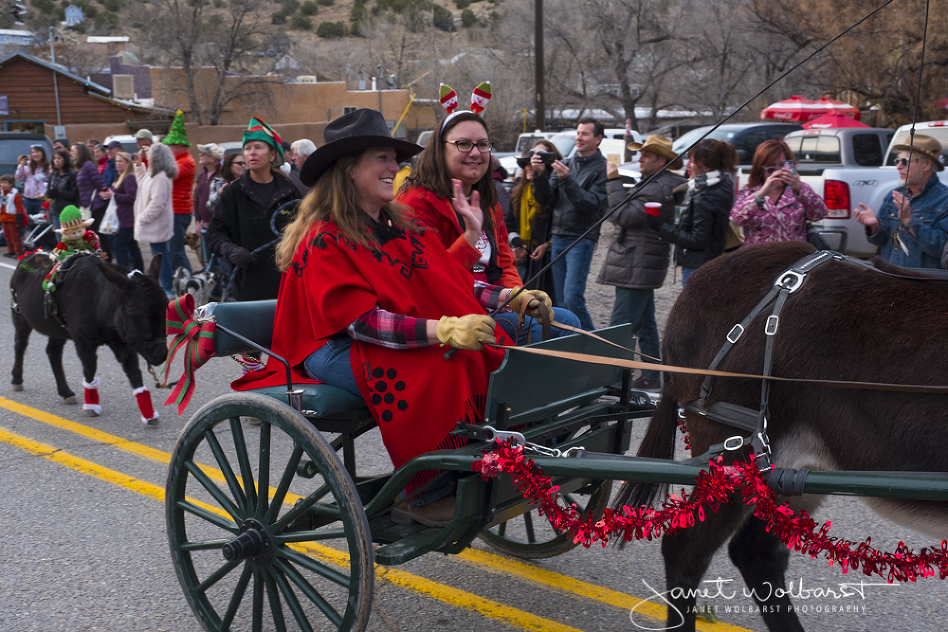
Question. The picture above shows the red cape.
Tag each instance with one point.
(416, 396)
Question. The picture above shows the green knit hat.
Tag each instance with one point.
(178, 135)
(71, 217)
(258, 130)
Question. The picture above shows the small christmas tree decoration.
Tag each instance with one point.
(448, 97)
(177, 135)
(480, 97)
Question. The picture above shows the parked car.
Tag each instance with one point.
(16, 144)
(129, 145)
(744, 136)
(824, 151)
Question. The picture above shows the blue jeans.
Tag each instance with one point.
(178, 257)
(638, 308)
(32, 206)
(569, 276)
(330, 364)
(685, 273)
(126, 249)
(166, 269)
(508, 321)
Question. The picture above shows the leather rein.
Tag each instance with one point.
(755, 422)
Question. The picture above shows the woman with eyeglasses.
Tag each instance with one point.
(776, 205)
(33, 174)
(458, 154)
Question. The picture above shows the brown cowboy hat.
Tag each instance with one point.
(660, 146)
(927, 146)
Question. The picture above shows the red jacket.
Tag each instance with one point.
(439, 214)
(182, 198)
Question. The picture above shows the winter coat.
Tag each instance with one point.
(62, 191)
(439, 214)
(702, 229)
(241, 219)
(154, 215)
(182, 198)
(202, 190)
(580, 201)
(637, 257)
(89, 182)
(125, 195)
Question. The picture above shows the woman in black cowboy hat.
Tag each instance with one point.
(367, 296)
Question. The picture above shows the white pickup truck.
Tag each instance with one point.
(845, 167)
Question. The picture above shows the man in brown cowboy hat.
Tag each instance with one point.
(637, 260)
(912, 225)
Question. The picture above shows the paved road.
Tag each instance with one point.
(84, 544)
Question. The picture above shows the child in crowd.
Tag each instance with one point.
(12, 216)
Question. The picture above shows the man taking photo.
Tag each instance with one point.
(576, 191)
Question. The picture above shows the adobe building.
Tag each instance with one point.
(37, 96)
(299, 109)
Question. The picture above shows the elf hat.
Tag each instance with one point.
(71, 217)
(177, 135)
(351, 133)
(258, 130)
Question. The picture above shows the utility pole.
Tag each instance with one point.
(52, 54)
(539, 105)
(379, 86)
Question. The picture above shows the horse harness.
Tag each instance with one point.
(755, 422)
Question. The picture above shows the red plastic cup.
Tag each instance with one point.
(653, 208)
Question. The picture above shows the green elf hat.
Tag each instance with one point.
(177, 135)
(71, 217)
(258, 130)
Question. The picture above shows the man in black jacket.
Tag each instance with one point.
(576, 190)
(637, 260)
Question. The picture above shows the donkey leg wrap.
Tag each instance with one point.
(90, 394)
(143, 397)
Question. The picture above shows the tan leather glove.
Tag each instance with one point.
(526, 297)
(466, 332)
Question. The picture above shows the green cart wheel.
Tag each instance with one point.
(530, 536)
(265, 526)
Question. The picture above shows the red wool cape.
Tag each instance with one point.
(415, 395)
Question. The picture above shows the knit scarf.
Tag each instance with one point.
(528, 209)
(705, 180)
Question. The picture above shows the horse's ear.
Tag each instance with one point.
(116, 277)
(154, 268)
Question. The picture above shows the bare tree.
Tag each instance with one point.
(218, 35)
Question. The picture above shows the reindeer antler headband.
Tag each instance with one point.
(449, 100)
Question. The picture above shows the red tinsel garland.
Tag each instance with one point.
(712, 489)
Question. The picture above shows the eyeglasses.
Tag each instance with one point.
(239, 164)
(465, 146)
(904, 162)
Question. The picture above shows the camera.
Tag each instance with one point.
(546, 156)
(514, 240)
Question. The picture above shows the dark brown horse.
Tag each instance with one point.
(96, 304)
(845, 323)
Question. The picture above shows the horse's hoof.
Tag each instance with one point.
(17, 387)
(71, 400)
(91, 413)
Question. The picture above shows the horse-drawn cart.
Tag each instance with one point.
(278, 525)
(276, 522)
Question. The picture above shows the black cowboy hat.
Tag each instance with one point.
(351, 133)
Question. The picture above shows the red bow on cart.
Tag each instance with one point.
(197, 337)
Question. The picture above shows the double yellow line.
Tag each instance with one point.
(462, 599)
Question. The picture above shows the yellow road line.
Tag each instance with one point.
(508, 566)
(441, 592)
(493, 562)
